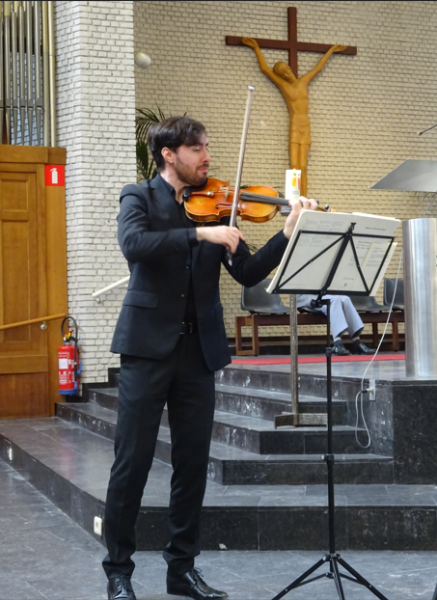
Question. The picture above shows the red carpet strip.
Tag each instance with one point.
(314, 359)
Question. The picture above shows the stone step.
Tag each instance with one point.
(260, 437)
(269, 380)
(245, 376)
(267, 405)
(71, 465)
(234, 466)
(248, 402)
(104, 397)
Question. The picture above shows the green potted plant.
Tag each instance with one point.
(145, 117)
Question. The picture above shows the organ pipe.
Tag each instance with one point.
(27, 73)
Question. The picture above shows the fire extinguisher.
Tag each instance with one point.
(68, 355)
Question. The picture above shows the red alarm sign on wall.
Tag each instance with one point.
(55, 175)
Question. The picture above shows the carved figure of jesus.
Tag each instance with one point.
(295, 93)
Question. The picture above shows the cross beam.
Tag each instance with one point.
(291, 44)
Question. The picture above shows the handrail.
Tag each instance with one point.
(31, 321)
(110, 287)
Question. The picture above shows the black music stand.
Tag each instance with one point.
(344, 245)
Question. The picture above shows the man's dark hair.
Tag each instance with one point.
(172, 133)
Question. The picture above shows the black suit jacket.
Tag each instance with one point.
(159, 254)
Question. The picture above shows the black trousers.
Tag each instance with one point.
(185, 383)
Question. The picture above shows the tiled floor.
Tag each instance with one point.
(44, 555)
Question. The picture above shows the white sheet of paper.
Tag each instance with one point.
(377, 283)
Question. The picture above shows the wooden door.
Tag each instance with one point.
(33, 279)
(23, 292)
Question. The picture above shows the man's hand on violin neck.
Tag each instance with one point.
(296, 207)
(227, 236)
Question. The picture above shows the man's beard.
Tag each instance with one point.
(192, 177)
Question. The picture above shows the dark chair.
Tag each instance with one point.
(389, 286)
(368, 304)
(265, 310)
(257, 300)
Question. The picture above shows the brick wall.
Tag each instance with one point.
(96, 123)
(365, 110)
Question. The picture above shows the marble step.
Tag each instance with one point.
(242, 430)
(71, 465)
(253, 377)
(234, 466)
(269, 380)
(104, 397)
(260, 437)
(265, 404)
(249, 402)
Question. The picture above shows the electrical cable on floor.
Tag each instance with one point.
(363, 390)
(367, 390)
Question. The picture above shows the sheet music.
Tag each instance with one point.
(348, 277)
(370, 252)
(374, 224)
(308, 247)
(377, 283)
(304, 246)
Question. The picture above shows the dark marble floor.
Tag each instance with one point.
(45, 555)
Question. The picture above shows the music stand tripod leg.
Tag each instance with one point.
(360, 579)
(333, 557)
(301, 580)
(337, 577)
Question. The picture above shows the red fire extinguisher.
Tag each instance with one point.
(68, 355)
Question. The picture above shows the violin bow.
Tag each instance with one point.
(233, 219)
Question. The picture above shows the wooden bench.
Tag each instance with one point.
(256, 320)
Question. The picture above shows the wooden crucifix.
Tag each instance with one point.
(293, 88)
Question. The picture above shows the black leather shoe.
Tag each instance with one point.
(192, 585)
(359, 348)
(120, 588)
(339, 349)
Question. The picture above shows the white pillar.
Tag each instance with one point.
(96, 123)
(420, 289)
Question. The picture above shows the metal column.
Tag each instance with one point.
(420, 289)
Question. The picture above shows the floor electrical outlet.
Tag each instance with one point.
(98, 526)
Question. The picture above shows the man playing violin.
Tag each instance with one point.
(171, 338)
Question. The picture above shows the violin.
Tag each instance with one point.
(257, 203)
